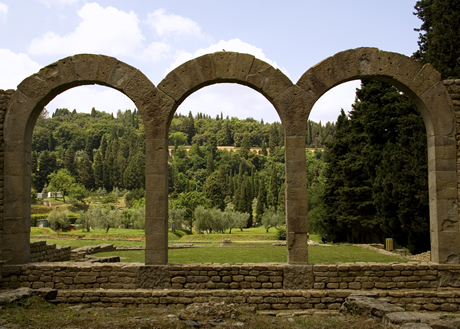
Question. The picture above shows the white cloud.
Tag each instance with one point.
(14, 68)
(328, 107)
(3, 11)
(50, 3)
(102, 30)
(156, 51)
(231, 99)
(166, 24)
(231, 45)
(84, 98)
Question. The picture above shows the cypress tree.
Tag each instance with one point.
(439, 40)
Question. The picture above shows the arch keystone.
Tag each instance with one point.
(367, 58)
(206, 67)
(86, 66)
(243, 66)
(225, 63)
(105, 66)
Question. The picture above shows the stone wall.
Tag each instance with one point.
(353, 276)
(41, 252)
(453, 87)
(263, 299)
(5, 96)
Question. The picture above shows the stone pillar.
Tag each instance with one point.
(156, 202)
(296, 200)
(444, 226)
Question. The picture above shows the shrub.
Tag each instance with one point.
(58, 220)
(281, 233)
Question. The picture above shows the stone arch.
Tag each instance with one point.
(23, 110)
(424, 86)
(244, 69)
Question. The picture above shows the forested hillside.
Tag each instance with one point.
(101, 152)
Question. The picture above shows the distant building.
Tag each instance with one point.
(54, 195)
(41, 195)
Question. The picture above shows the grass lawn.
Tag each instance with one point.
(259, 253)
(240, 251)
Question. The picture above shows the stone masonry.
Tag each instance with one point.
(293, 102)
(343, 276)
(413, 286)
(41, 252)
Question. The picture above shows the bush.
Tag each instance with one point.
(58, 220)
(281, 233)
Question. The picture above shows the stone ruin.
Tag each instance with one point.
(438, 102)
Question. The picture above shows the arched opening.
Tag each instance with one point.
(423, 86)
(25, 107)
(226, 177)
(88, 167)
(372, 182)
(278, 89)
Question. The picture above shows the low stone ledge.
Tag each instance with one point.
(342, 276)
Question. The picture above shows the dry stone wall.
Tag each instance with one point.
(263, 299)
(353, 276)
(41, 252)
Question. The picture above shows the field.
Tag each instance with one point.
(252, 245)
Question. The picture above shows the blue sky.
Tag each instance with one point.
(157, 36)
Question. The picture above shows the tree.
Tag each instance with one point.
(190, 201)
(58, 220)
(69, 161)
(438, 39)
(61, 182)
(212, 189)
(47, 163)
(87, 219)
(366, 192)
(176, 216)
(273, 218)
(77, 193)
(85, 172)
(109, 217)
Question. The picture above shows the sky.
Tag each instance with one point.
(157, 36)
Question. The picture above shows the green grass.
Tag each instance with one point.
(260, 253)
(77, 243)
(211, 251)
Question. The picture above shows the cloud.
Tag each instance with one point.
(156, 51)
(51, 3)
(231, 45)
(14, 68)
(3, 11)
(84, 98)
(102, 30)
(231, 99)
(170, 24)
(328, 107)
